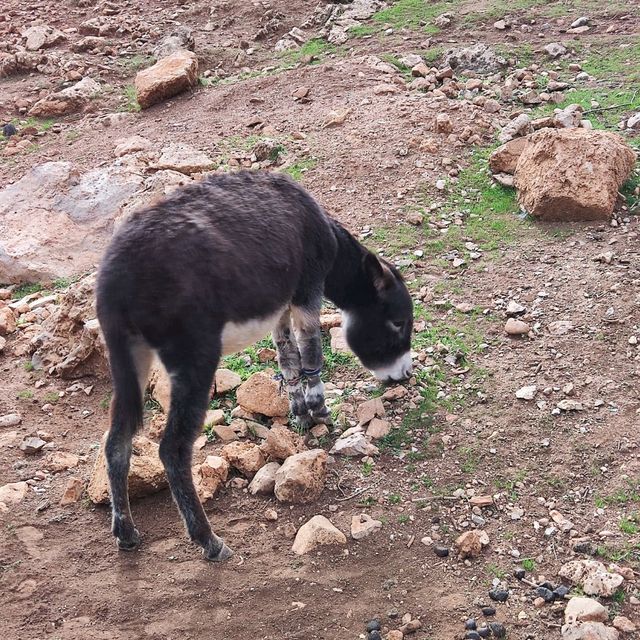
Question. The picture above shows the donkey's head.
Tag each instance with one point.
(378, 329)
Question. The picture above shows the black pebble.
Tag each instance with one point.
(393, 613)
(547, 594)
(547, 585)
(374, 625)
(519, 573)
(441, 552)
(583, 547)
(488, 611)
(498, 630)
(470, 624)
(561, 591)
(9, 130)
(484, 632)
(499, 595)
(374, 635)
(472, 635)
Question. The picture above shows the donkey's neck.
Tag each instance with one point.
(347, 285)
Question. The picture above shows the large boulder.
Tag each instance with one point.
(264, 481)
(301, 478)
(572, 174)
(592, 576)
(505, 158)
(146, 473)
(55, 223)
(478, 57)
(166, 78)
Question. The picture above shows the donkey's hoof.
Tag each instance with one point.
(129, 544)
(216, 553)
(305, 421)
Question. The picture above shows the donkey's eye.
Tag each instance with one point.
(398, 324)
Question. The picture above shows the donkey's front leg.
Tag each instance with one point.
(291, 368)
(306, 322)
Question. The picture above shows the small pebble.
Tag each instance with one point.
(498, 630)
(561, 591)
(546, 594)
(519, 573)
(484, 632)
(470, 624)
(374, 635)
(441, 552)
(374, 625)
(488, 611)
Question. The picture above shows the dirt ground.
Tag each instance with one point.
(459, 429)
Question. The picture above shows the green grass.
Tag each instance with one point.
(316, 49)
(394, 498)
(394, 239)
(28, 365)
(500, 8)
(496, 571)
(621, 496)
(404, 519)
(529, 565)
(333, 362)
(131, 99)
(137, 62)
(51, 397)
(297, 170)
(363, 30)
(470, 460)
(27, 289)
(629, 526)
(367, 468)
(412, 14)
(27, 394)
(607, 62)
(246, 363)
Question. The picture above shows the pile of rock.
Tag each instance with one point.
(358, 440)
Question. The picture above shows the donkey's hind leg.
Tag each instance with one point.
(306, 323)
(130, 360)
(291, 367)
(191, 365)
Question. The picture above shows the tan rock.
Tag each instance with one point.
(505, 158)
(364, 525)
(267, 355)
(226, 380)
(72, 492)
(354, 443)
(70, 100)
(338, 341)
(168, 77)
(378, 428)
(369, 410)
(186, 159)
(302, 476)
(225, 432)
(592, 576)
(214, 417)
(623, 624)
(395, 634)
(330, 320)
(572, 174)
(13, 493)
(7, 321)
(581, 609)
(58, 461)
(317, 532)
(209, 476)
(146, 473)
(589, 631)
(264, 481)
(261, 394)
(443, 123)
(10, 420)
(132, 145)
(515, 327)
(160, 385)
(481, 501)
(471, 543)
(246, 457)
(281, 443)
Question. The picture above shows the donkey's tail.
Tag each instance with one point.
(125, 362)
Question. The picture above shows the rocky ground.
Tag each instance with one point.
(496, 492)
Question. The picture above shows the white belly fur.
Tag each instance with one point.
(237, 336)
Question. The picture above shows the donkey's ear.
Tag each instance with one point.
(380, 275)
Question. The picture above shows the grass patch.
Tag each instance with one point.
(394, 498)
(393, 240)
(500, 8)
(363, 30)
(137, 62)
(247, 362)
(27, 394)
(412, 14)
(624, 495)
(131, 99)
(334, 361)
(529, 565)
(608, 62)
(51, 397)
(629, 526)
(314, 49)
(27, 289)
(297, 170)
(496, 571)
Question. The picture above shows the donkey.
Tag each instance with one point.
(208, 271)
